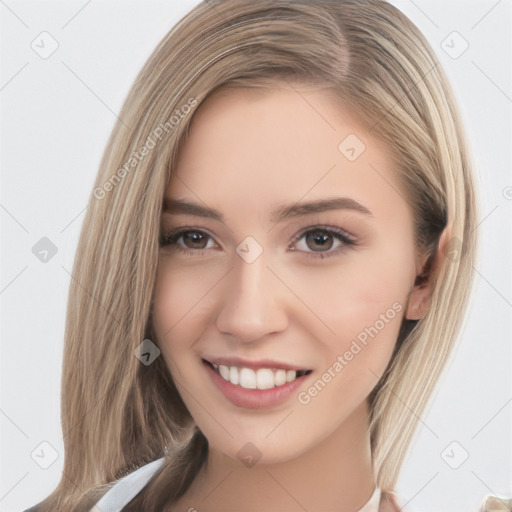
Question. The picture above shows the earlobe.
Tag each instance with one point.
(419, 297)
(418, 303)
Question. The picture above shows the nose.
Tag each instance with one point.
(252, 302)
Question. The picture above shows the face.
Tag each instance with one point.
(277, 311)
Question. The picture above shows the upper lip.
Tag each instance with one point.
(245, 363)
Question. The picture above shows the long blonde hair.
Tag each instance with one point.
(117, 413)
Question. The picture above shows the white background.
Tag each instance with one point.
(56, 116)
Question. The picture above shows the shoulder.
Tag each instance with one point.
(125, 489)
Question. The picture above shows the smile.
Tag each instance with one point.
(263, 378)
(267, 384)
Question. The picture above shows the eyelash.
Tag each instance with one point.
(171, 238)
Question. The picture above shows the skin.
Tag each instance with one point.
(249, 152)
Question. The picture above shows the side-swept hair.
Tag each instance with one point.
(118, 414)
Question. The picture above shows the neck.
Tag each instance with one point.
(336, 475)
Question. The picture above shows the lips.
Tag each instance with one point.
(246, 393)
(255, 365)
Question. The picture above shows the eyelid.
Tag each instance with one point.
(173, 232)
(325, 227)
(346, 239)
(308, 227)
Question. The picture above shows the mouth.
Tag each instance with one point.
(257, 378)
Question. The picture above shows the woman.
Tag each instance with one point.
(273, 267)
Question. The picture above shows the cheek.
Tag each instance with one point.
(347, 298)
(366, 321)
(358, 310)
(175, 306)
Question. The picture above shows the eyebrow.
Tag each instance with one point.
(280, 214)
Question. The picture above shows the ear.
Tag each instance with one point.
(420, 295)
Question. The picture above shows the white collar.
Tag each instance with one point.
(125, 489)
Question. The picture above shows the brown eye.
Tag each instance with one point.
(319, 239)
(194, 239)
(186, 239)
(318, 242)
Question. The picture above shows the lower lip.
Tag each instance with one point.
(255, 398)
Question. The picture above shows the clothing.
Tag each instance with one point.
(372, 505)
(124, 490)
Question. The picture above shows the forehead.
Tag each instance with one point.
(255, 146)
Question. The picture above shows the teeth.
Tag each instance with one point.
(224, 372)
(291, 375)
(234, 376)
(247, 378)
(280, 377)
(263, 378)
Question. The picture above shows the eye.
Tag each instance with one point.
(190, 241)
(315, 242)
(321, 240)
